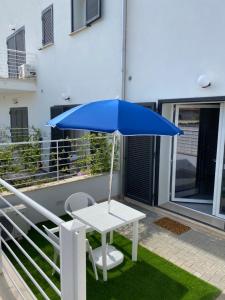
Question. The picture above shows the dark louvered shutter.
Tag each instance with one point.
(139, 168)
(19, 124)
(93, 11)
(47, 26)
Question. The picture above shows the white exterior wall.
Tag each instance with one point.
(171, 43)
(85, 66)
(18, 14)
(53, 197)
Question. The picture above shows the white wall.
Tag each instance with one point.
(86, 65)
(18, 14)
(54, 197)
(171, 43)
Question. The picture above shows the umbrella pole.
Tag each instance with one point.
(111, 170)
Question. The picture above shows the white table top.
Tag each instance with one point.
(98, 218)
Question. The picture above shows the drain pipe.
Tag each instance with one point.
(123, 91)
(124, 49)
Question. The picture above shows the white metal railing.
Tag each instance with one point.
(72, 249)
(9, 135)
(17, 64)
(32, 163)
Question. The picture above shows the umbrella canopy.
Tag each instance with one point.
(115, 116)
(112, 116)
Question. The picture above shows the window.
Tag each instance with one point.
(47, 26)
(19, 124)
(16, 52)
(84, 12)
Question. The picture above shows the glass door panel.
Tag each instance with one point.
(195, 154)
(187, 150)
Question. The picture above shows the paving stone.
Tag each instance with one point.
(200, 251)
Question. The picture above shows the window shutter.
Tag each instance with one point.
(47, 26)
(93, 11)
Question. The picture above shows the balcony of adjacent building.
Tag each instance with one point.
(17, 71)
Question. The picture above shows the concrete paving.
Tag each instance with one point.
(200, 251)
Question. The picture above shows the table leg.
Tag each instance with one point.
(111, 237)
(104, 263)
(135, 241)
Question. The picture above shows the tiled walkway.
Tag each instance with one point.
(200, 251)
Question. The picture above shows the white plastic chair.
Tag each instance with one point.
(78, 201)
(52, 235)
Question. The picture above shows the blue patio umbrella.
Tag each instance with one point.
(115, 117)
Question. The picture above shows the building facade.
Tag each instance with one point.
(168, 56)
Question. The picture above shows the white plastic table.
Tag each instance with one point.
(99, 219)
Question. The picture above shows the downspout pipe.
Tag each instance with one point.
(123, 91)
(124, 49)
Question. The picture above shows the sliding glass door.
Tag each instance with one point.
(194, 153)
(219, 197)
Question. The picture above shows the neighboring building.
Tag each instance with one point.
(158, 53)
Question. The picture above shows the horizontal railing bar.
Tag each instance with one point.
(30, 223)
(31, 242)
(19, 51)
(100, 164)
(31, 261)
(74, 152)
(25, 269)
(44, 161)
(75, 149)
(55, 141)
(42, 210)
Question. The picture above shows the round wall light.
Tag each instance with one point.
(204, 81)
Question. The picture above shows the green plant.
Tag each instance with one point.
(7, 161)
(95, 154)
(30, 156)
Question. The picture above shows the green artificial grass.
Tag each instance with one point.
(152, 277)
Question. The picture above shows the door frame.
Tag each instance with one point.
(173, 173)
(219, 164)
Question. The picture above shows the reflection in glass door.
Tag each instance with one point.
(194, 158)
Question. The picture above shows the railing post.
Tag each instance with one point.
(57, 159)
(73, 260)
(1, 262)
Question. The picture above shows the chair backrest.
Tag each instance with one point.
(51, 235)
(78, 201)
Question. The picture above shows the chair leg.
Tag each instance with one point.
(92, 261)
(111, 237)
(55, 258)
